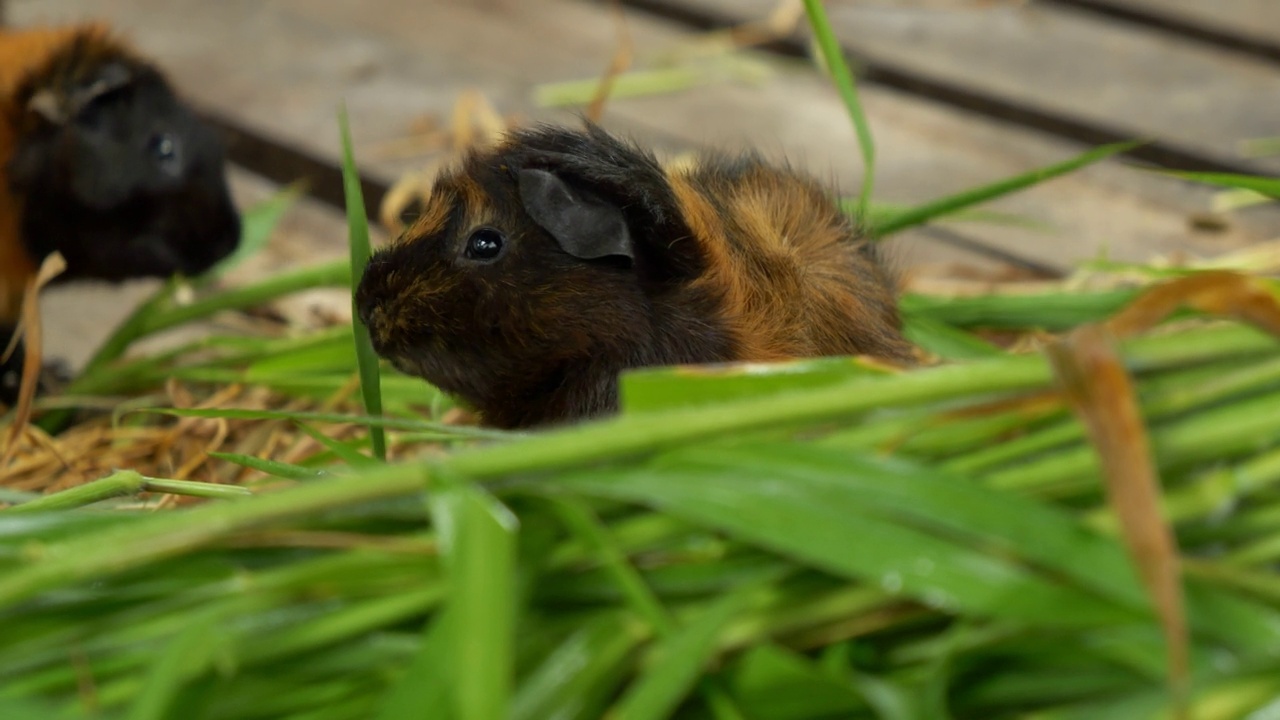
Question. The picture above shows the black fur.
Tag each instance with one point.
(99, 190)
(131, 185)
(539, 336)
(624, 174)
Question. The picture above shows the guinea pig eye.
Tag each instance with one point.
(163, 147)
(485, 245)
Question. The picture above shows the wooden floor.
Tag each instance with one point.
(959, 92)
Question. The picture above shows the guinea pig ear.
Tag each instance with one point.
(585, 227)
(45, 103)
(110, 77)
(59, 108)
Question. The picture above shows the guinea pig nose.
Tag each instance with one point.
(368, 311)
(375, 273)
(365, 310)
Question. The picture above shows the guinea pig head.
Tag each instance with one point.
(116, 172)
(514, 289)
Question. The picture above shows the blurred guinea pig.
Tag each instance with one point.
(103, 162)
(541, 268)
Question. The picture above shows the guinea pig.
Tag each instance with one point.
(103, 162)
(541, 268)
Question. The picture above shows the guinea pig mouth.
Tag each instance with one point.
(388, 334)
(163, 259)
(444, 371)
(408, 365)
(198, 265)
(202, 254)
(115, 263)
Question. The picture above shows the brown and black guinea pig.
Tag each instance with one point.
(102, 161)
(542, 267)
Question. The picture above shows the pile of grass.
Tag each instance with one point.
(1071, 511)
(823, 539)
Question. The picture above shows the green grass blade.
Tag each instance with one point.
(29, 709)
(780, 684)
(423, 692)
(677, 663)
(358, 229)
(1264, 185)
(132, 328)
(1048, 311)
(1039, 533)
(322, 275)
(347, 452)
(271, 467)
(578, 678)
(117, 484)
(166, 534)
(350, 621)
(192, 488)
(391, 423)
(333, 357)
(477, 541)
(947, 205)
(833, 58)
(587, 528)
(881, 211)
(152, 315)
(649, 389)
(183, 657)
(946, 341)
(122, 483)
(257, 225)
(636, 83)
(799, 517)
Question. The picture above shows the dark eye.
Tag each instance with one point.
(485, 244)
(163, 146)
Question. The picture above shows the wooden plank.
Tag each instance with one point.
(926, 151)
(1070, 64)
(395, 59)
(1258, 19)
(308, 65)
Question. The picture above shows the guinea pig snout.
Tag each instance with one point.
(382, 305)
(221, 238)
(372, 301)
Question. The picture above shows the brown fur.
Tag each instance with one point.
(22, 54)
(795, 279)
(732, 259)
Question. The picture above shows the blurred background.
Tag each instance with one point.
(958, 92)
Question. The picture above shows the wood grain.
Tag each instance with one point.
(282, 66)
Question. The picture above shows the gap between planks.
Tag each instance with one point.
(1043, 68)
(394, 59)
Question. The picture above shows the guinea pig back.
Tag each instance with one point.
(543, 267)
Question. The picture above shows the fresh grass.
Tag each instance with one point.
(1267, 186)
(819, 539)
(947, 206)
(834, 62)
(358, 229)
(657, 560)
